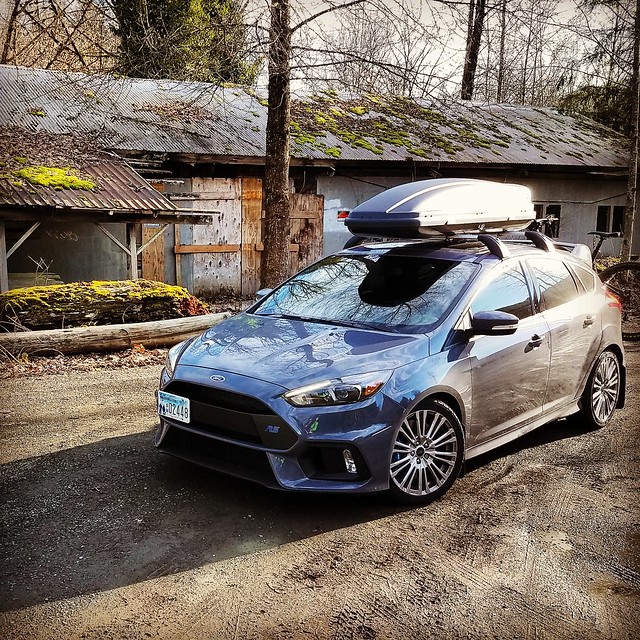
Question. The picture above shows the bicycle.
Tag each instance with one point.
(621, 279)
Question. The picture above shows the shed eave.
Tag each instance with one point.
(59, 214)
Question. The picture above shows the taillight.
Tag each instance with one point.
(613, 300)
(343, 214)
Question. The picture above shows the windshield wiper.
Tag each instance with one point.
(332, 321)
(355, 324)
(290, 316)
(362, 325)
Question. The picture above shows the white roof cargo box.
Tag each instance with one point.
(443, 206)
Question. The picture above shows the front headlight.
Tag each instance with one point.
(345, 390)
(172, 358)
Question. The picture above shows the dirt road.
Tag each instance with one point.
(101, 537)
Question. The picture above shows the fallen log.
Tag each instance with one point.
(159, 333)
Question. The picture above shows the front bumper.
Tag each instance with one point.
(243, 427)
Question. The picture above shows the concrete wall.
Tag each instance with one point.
(579, 200)
(345, 193)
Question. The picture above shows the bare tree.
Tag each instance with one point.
(475, 25)
(8, 20)
(59, 34)
(528, 54)
(632, 185)
(399, 48)
(275, 260)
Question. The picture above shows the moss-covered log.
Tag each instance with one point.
(82, 304)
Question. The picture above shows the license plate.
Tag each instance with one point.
(174, 407)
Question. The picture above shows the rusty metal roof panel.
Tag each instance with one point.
(134, 114)
(167, 117)
(117, 188)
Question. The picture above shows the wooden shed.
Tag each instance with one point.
(202, 146)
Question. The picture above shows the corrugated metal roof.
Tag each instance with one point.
(118, 188)
(196, 118)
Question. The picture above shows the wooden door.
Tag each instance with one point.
(306, 229)
(153, 254)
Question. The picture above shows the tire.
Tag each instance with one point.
(623, 280)
(427, 454)
(600, 397)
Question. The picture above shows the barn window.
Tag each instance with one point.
(610, 218)
(543, 210)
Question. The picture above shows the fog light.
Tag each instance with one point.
(349, 462)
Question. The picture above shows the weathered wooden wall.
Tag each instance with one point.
(306, 229)
(252, 231)
(224, 257)
(153, 256)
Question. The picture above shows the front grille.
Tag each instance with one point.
(234, 416)
(219, 398)
(222, 456)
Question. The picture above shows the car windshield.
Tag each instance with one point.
(401, 293)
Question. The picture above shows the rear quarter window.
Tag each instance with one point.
(586, 277)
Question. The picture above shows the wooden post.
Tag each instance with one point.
(251, 234)
(4, 270)
(178, 258)
(133, 252)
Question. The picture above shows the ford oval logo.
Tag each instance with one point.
(217, 378)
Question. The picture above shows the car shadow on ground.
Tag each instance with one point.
(552, 432)
(116, 512)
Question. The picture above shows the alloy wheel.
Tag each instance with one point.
(427, 452)
(605, 387)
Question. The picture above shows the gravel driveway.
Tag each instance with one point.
(101, 537)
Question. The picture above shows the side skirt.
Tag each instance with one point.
(494, 443)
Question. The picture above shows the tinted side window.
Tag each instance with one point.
(556, 283)
(508, 292)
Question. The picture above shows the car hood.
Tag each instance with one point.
(292, 353)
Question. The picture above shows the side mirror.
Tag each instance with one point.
(493, 323)
(262, 293)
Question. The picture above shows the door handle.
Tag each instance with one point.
(588, 321)
(535, 341)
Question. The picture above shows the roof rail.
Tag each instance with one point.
(540, 240)
(495, 245)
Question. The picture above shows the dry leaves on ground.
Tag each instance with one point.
(21, 367)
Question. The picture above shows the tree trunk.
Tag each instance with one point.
(477, 12)
(275, 258)
(11, 26)
(162, 333)
(503, 34)
(630, 209)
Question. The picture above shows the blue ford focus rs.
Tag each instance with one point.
(385, 366)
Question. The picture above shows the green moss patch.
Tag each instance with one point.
(57, 178)
(377, 123)
(96, 303)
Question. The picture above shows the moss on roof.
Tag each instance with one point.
(376, 122)
(56, 177)
(49, 160)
